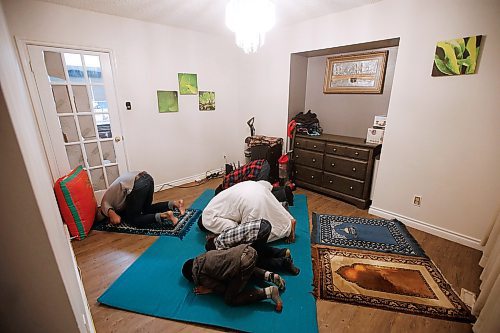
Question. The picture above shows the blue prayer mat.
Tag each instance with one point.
(155, 228)
(390, 236)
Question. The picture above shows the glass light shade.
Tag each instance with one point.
(250, 20)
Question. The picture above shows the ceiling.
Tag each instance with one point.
(207, 15)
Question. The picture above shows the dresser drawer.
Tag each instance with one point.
(344, 185)
(347, 151)
(345, 166)
(310, 144)
(308, 175)
(309, 158)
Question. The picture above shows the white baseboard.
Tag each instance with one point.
(185, 180)
(431, 229)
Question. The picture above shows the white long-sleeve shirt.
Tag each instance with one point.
(245, 202)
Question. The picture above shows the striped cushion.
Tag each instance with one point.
(76, 201)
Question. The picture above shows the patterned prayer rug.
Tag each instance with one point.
(365, 234)
(154, 229)
(392, 282)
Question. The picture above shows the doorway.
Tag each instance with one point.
(78, 114)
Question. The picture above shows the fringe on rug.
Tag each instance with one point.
(316, 271)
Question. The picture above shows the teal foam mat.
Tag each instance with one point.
(154, 285)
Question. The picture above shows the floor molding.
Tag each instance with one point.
(182, 181)
(431, 229)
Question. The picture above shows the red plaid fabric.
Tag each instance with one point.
(249, 171)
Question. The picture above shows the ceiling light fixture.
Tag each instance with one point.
(250, 20)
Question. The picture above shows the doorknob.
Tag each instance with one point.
(118, 138)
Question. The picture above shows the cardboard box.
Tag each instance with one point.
(375, 135)
(380, 121)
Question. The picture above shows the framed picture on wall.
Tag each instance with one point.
(362, 73)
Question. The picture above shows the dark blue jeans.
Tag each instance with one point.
(139, 207)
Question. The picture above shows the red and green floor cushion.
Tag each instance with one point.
(76, 201)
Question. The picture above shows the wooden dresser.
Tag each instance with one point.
(339, 166)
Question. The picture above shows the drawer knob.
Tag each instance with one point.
(314, 146)
(312, 177)
(297, 143)
(331, 181)
(351, 188)
(314, 160)
(353, 169)
(333, 164)
(356, 153)
(334, 149)
(296, 156)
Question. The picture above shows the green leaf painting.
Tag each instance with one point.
(456, 56)
(188, 84)
(167, 101)
(207, 101)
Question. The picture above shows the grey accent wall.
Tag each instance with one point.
(346, 114)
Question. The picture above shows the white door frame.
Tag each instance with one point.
(52, 219)
(22, 46)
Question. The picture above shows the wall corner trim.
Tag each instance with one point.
(429, 228)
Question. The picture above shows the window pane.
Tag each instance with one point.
(100, 106)
(61, 99)
(108, 152)
(81, 98)
(97, 179)
(68, 127)
(87, 127)
(93, 66)
(112, 173)
(93, 156)
(75, 155)
(98, 94)
(74, 66)
(54, 65)
(103, 125)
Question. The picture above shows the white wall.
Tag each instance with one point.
(443, 133)
(148, 57)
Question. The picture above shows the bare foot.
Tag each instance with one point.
(180, 205)
(278, 281)
(169, 216)
(291, 237)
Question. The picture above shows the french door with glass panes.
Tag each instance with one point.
(79, 113)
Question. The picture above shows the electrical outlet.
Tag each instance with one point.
(417, 200)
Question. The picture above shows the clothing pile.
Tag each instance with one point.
(262, 140)
(308, 123)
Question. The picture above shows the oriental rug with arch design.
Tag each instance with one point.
(392, 282)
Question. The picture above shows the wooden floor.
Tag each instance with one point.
(103, 257)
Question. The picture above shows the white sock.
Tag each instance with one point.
(268, 291)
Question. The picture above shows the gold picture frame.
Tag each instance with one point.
(355, 74)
